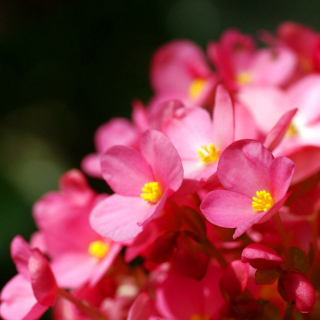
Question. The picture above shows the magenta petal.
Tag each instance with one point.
(281, 173)
(163, 158)
(43, 283)
(276, 134)
(223, 118)
(235, 278)
(244, 167)
(125, 170)
(117, 217)
(260, 256)
(141, 308)
(18, 301)
(227, 209)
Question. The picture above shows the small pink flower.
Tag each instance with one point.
(256, 186)
(142, 182)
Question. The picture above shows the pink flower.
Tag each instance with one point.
(199, 139)
(179, 70)
(63, 215)
(256, 186)
(30, 293)
(142, 182)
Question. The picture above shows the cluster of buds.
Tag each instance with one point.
(216, 187)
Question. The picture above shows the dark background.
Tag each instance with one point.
(68, 66)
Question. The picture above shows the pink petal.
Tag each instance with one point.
(265, 103)
(21, 253)
(281, 173)
(91, 165)
(190, 132)
(163, 158)
(117, 216)
(260, 256)
(235, 278)
(141, 308)
(18, 301)
(227, 209)
(126, 170)
(244, 167)
(277, 133)
(73, 270)
(43, 283)
(300, 291)
(223, 119)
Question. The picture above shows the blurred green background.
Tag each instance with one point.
(68, 66)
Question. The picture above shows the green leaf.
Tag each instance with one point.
(266, 276)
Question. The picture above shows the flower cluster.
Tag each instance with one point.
(216, 187)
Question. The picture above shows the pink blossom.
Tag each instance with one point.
(61, 217)
(142, 182)
(248, 171)
(199, 139)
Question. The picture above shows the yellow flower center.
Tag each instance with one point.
(196, 88)
(200, 317)
(243, 78)
(292, 131)
(98, 249)
(263, 202)
(208, 153)
(151, 192)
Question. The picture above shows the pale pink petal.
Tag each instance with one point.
(20, 254)
(118, 131)
(281, 173)
(273, 66)
(266, 103)
(117, 217)
(244, 167)
(276, 134)
(223, 119)
(18, 301)
(305, 95)
(91, 165)
(227, 209)
(190, 132)
(163, 158)
(73, 270)
(126, 170)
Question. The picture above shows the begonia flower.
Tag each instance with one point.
(199, 139)
(142, 182)
(63, 215)
(256, 186)
(179, 70)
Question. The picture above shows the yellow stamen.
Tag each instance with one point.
(98, 249)
(200, 317)
(243, 78)
(196, 88)
(264, 202)
(151, 192)
(292, 131)
(208, 153)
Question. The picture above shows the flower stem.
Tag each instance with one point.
(284, 237)
(82, 305)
